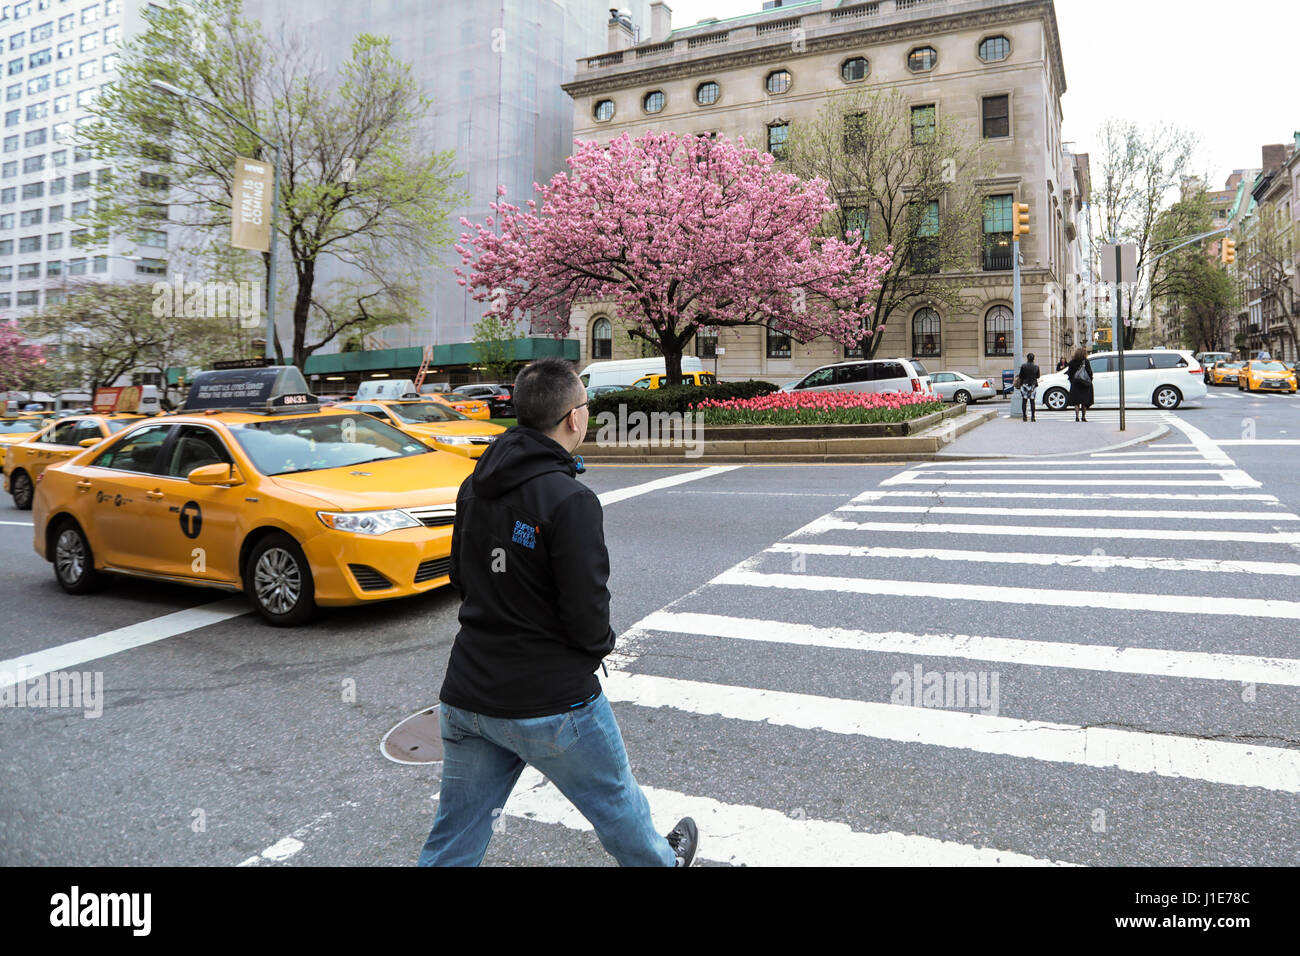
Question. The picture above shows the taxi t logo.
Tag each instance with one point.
(191, 519)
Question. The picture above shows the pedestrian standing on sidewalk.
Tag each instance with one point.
(1079, 373)
(528, 557)
(1061, 363)
(1028, 389)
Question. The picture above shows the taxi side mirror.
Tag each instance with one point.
(219, 474)
(89, 442)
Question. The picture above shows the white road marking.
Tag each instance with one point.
(622, 494)
(1202, 442)
(745, 835)
(1065, 496)
(998, 594)
(1261, 441)
(1092, 561)
(832, 523)
(1282, 671)
(288, 846)
(1074, 471)
(1095, 465)
(1168, 755)
(1078, 513)
(1077, 483)
(73, 654)
(1146, 453)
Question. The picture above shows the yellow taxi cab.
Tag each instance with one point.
(1266, 376)
(687, 378)
(1225, 373)
(433, 423)
(19, 429)
(58, 441)
(469, 407)
(252, 486)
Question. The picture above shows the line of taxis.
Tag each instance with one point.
(1256, 375)
(252, 485)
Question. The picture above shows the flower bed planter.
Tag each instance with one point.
(910, 427)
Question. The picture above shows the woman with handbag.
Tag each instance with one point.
(1079, 373)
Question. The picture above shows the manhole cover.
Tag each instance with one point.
(415, 740)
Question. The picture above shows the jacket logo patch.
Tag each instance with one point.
(525, 534)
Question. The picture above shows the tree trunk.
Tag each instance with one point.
(302, 311)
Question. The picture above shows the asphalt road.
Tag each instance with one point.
(790, 604)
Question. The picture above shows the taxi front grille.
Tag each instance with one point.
(428, 570)
(368, 579)
(437, 517)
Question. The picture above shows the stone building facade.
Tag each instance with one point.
(992, 67)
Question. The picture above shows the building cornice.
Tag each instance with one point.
(778, 48)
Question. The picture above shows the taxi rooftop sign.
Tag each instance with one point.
(276, 389)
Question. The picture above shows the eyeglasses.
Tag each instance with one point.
(566, 414)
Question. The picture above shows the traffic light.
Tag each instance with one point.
(1020, 227)
(1229, 252)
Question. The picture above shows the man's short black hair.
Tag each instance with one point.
(545, 391)
(1031, 356)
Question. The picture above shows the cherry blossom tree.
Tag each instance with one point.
(20, 364)
(680, 232)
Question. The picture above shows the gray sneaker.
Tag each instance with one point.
(685, 840)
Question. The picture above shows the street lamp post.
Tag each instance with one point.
(275, 200)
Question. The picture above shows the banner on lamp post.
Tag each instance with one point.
(250, 206)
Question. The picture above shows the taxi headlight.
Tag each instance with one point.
(367, 522)
(453, 439)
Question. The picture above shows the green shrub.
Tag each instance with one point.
(679, 398)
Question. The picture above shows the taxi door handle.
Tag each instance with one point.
(154, 495)
(83, 485)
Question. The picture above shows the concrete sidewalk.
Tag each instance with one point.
(1055, 434)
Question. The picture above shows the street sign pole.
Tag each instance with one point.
(1119, 332)
(1017, 329)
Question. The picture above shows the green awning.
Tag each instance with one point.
(459, 353)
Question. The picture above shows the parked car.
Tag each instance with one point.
(629, 370)
(688, 378)
(594, 390)
(1164, 378)
(960, 388)
(865, 375)
(499, 398)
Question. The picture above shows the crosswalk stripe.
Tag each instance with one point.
(1067, 495)
(745, 835)
(1076, 483)
(1092, 657)
(1076, 471)
(1077, 512)
(832, 523)
(1000, 594)
(1099, 562)
(1095, 466)
(1168, 755)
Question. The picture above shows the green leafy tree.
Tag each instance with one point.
(496, 347)
(362, 194)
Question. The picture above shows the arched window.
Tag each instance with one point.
(602, 345)
(926, 337)
(998, 327)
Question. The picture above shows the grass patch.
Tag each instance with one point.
(504, 422)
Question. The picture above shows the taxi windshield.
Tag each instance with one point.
(284, 446)
(414, 413)
(18, 425)
(1269, 367)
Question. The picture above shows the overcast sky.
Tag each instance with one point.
(1226, 71)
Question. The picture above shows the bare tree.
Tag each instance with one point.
(911, 182)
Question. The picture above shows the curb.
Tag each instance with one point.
(1160, 432)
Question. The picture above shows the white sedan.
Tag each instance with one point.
(961, 388)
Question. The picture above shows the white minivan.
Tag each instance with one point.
(1164, 378)
(866, 375)
(626, 371)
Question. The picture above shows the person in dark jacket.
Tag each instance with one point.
(1029, 389)
(529, 559)
(1061, 363)
(1081, 387)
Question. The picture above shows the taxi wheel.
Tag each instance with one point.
(74, 564)
(20, 486)
(277, 579)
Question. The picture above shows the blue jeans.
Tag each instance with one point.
(580, 751)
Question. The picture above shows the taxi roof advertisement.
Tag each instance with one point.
(232, 388)
(125, 398)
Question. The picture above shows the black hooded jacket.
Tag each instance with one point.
(528, 557)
